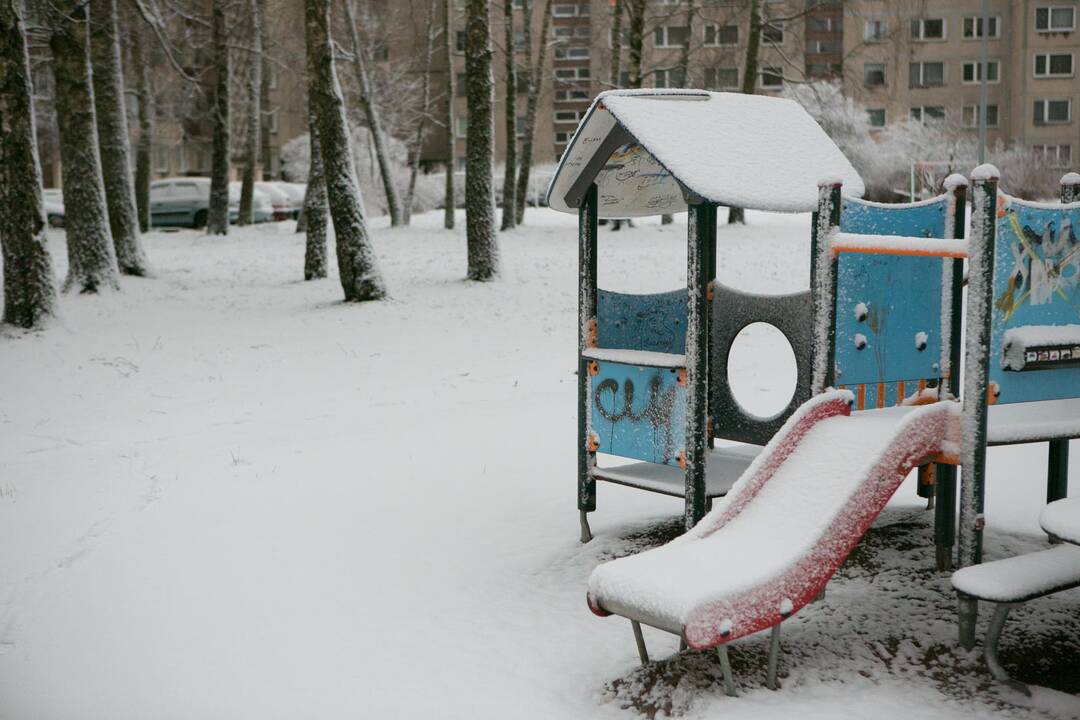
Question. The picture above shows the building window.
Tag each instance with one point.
(927, 74)
(971, 72)
(672, 78)
(822, 70)
(459, 43)
(970, 116)
(973, 27)
(567, 116)
(562, 137)
(461, 126)
(270, 71)
(773, 32)
(876, 117)
(1055, 18)
(564, 10)
(161, 160)
(928, 29)
(1056, 156)
(874, 74)
(667, 36)
(624, 37)
(571, 53)
(459, 85)
(520, 126)
(1053, 65)
(875, 30)
(928, 114)
(821, 24)
(721, 78)
(271, 121)
(772, 77)
(721, 35)
(1053, 112)
(571, 74)
(571, 95)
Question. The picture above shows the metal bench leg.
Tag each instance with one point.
(993, 634)
(774, 656)
(642, 652)
(725, 667)
(586, 531)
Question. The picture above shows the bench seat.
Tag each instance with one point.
(1021, 578)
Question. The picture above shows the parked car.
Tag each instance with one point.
(295, 194)
(54, 206)
(263, 209)
(281, 201)
(185, 202)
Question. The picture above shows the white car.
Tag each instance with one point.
(283, 206)
(295, 193)
(54, 206)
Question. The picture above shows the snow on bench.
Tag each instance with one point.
(1021, 578)
(898, 245)
(644, 358)
(1061, 519)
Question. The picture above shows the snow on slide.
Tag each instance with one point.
(772, 543)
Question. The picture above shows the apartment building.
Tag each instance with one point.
(922, 60)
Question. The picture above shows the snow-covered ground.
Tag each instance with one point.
(226, 494)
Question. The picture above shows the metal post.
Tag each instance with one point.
(643, 653)
(823, 285)
(710, 272)
(587, 230)
(1070, 187)
(976, 379)
(774, 657)
(697, 359)
(1057, 471)
(993, 635)
(725, 668)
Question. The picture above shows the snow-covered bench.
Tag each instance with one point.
(1014, 581)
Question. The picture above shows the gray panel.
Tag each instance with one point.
(732, 311)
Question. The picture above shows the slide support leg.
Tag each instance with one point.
(968, 609)
(586, 531)
(1057, 471)
(642, 652)
(945, 515)
(725, 667)
(774, 656)
(993, 634)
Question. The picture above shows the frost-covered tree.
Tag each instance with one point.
(315, 210)
(536, 81)
(509, 204)
(616, 42)
(217, 220)
(91, 256)
(683, 68)
(635, 12)
(144, 145)
(357, 265)
(113, 140)
(448, 120)
(254, 114)
(422, 118)
(29, 292)
(372, 115)
(483, 250)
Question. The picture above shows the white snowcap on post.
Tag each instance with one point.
(647, 151)
(1070, 178)
(955, 180)
(984, 172)
(830, 181)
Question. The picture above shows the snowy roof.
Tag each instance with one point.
(644, 147)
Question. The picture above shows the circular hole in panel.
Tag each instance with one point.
(762, 371)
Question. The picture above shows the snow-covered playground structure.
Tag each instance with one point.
(881, 323)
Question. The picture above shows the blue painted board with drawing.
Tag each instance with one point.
(638, 412)
(642, 322)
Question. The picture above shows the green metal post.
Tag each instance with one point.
(710, 269)
(587, 231)
(1070, 188)
(976, 382)
(823, 285)
(1057, 475)
(697, 359)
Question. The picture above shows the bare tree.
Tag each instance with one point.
(483, 251)
(358, 268)
(616, 42)
(451, 153)
(91, 256)
(371, 113)
(536, 81)
(635, 10)
(315, 209)
(254, 115)
(683, 74)
(509, 205)
(113, 140)
(217, 221)
(424, 110)
(736, 215)
(144, 145)
(29, 292)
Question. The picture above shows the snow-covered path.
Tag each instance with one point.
(223, 493)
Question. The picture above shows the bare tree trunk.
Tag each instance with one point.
(509, 204)
(636, 10)
(736, 215)
(357, 265)
(144, 146)
(254, 118)
(616, 42)
(315, 209)
(29, 292)
(374, 120)
(217, 222)
(684, 70)
(536, 82)
(483, 251)
(425, 109)
(108, 78)
(451, 144)
(91, 256)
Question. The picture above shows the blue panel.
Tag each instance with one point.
(639, 412)
(642, 322)
(1036, 282)
(898, 299)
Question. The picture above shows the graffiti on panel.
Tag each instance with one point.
(639, 412)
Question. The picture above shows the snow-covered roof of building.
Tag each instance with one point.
(644, 147)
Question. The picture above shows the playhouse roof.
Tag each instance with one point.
(750, 151)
